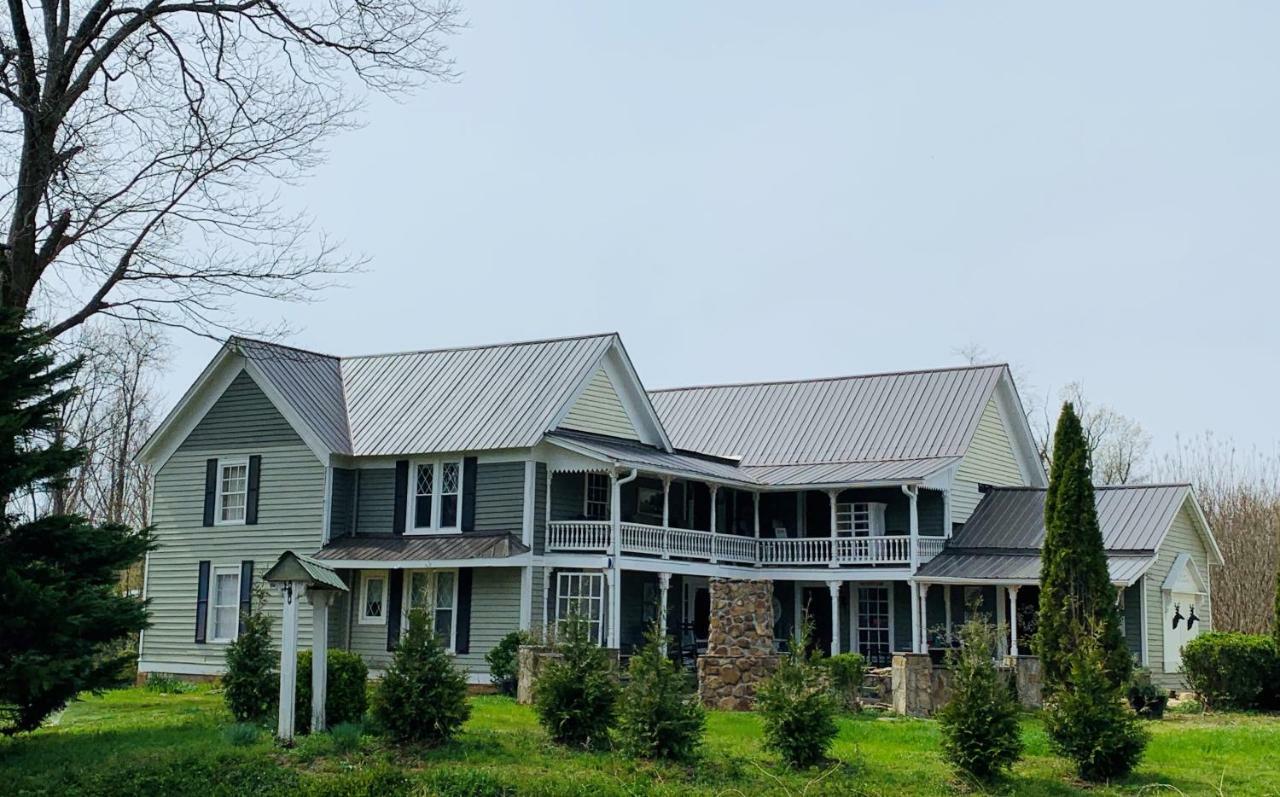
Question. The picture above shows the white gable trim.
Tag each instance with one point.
(213, 381)
(1202, 523)
(1184, 564)
(631, 393)
(1018, 429)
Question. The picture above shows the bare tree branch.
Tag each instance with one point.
(139, 138)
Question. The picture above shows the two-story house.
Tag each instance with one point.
(504, 487)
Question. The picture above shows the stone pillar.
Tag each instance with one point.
(912, 684)
(740, 650)
(1026, 675)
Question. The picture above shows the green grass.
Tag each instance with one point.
(139, 742)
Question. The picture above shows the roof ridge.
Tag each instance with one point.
(475, 347)
(814, 380)
(234, 339)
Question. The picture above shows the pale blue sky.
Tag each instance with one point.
(756, 191)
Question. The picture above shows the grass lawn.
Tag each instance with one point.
(135, 742)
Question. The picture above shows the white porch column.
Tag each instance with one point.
(615, 571)
(666, 519)
(548, 614)
(946, 607)
(834, 587)
(664, 584)
(715, 488)
(320, 600)
(755, 523)
(913, 494)
(1001, 620)
(288, 660)
(922, 641)
(835, 555)
(1013, 619)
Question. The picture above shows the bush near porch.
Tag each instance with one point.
(137, 741)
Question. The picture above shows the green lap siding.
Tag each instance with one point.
(990, 460)
(500, 496)
(376, 490)
(1133, 619)
(1183, 537)
(241, 422)
(495, 612)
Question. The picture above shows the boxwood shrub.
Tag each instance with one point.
(346, 699)
(1233, 670)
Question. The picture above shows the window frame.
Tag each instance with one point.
(407, 592)
(850, 512)
(561, 578)
(365, 577)
(437, 496)
(586, 495)
(211, 621)
(223, 464)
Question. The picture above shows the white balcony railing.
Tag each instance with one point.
(594, 536)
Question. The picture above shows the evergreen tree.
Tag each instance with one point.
(63, 620)
(576, 694)
(980, 734)
(251, 685)
(660, 716)
(1275, 631)
(1075, 588)
(423, 696)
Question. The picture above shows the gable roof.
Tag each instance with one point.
(456, 399)
(900, 425)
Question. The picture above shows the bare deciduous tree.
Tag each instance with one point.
(1118, 445)
(1240, 494)
(136, 138)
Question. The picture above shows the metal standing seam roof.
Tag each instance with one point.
(877, 418)
(1001, 541)
(475, 398)
(1132, 517)
(1021, 567)
(849, 472)
(392, 548)
(633, 454)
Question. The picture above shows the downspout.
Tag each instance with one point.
(615, 599)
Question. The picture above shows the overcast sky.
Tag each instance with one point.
(751, 191)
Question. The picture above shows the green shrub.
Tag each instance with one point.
(847, 671)
(797, 708)
(1232, 670)
(242, 734)
(346, 736)
(660, 715)
(1145, 698)
(346, 698)
(504, 665)
(576, 694)
(1088, 722)
(423, 696)
(165, 684)
(251, 684)
(979, 725)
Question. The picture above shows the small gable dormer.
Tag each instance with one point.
(611, 401)
(599, 410)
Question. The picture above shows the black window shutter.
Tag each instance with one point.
(395, 586)
(401, 507)
(463, 643)
(210, 489)
(251, 495)
(246, 591)
(469, 494)
(202, 598)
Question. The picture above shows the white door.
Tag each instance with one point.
(1183, 621)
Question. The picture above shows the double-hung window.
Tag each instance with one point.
(436, 490)
(224, 609)
(436, 593)
(373, 598)
(232, 491)
(860, 519)
(595, 502)
(581, 594)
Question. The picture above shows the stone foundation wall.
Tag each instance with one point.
(740, 650)
(920, 687)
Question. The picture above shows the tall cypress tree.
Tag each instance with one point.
(1275, 631)
(63, 618)
(1076, 593)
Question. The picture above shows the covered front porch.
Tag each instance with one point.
(625, 500)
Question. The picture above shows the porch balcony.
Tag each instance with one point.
(665, 542)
